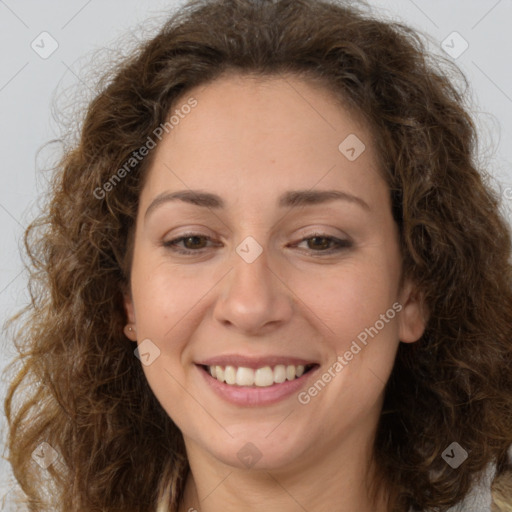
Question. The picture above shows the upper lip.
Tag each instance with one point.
(254, 362)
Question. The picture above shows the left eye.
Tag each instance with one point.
(192, 243)
(324, 241)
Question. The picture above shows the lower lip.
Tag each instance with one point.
(253, 395)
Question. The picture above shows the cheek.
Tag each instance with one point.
(358, 323)
(349, 298)
(165, 294)
(167, 306)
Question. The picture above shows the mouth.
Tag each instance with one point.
(262, 377)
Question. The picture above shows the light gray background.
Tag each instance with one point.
(29, 84)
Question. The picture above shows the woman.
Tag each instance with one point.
(271, 277)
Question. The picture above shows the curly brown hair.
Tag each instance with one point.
(118, 449)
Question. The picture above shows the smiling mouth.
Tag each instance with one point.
(263, 377)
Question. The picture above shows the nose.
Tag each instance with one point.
(253, 297)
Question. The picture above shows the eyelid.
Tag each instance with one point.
(312, 231)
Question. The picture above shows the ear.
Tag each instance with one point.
(413, 317)
(131, 328)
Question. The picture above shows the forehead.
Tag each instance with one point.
(249, 135)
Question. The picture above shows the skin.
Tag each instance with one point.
(249, 141)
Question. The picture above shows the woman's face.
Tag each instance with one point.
(279, 275)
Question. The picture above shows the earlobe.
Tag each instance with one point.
(414, 315)
(130, 329)
(130, 333)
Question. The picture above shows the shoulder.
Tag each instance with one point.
(484, 499)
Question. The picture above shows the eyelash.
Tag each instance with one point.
(341, 244)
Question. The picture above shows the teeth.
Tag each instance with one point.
(230, 374)
(280, 373)
(244, 377)
(261, 377)
(264, 377)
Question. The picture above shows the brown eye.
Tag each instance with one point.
(319, 242)
(191, 243)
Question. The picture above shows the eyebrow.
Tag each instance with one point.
(290, 199)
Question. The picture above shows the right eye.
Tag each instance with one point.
(190, 239)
